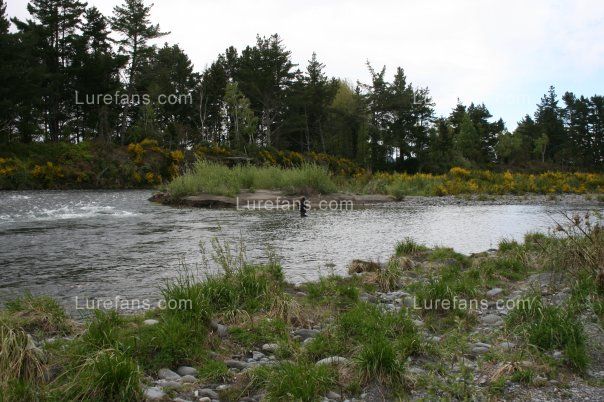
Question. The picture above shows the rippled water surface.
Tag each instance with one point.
(95, 244)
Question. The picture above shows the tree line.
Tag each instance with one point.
(68, 53)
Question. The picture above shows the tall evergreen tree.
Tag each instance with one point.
(548, 118)
(264, 72)
(132, 21)
(55, 28)
(96, 69)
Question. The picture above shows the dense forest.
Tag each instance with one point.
(59, 67)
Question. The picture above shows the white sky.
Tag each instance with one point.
(504, 53)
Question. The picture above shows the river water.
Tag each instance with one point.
(103, 244)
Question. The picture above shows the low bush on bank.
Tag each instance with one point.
(213, 178)
(462, 181)
(87, 165)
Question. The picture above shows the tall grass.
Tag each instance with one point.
(21, 366)
(214, 178)
(550, 327)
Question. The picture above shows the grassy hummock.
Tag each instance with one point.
(216, 179)
(405, 328)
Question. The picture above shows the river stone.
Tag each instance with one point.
(168, 374)
(153, 394)
(332, 360)
(257, 355)
(333, 395)
(176, 385)
(270, 347)
(207, 392)
(221, 330)
(150, 322)
(205, 399)
(188, 379)
(236, 364)
(491, 319)
(186, 370)
(507, 345)
(480, 348)
(305, 333)
(223, 387)
(494, 292)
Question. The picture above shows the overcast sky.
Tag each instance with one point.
(502, 53)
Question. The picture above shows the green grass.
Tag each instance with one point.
(259, 332)
(213, 178)
(550, 328)
(449, 255)
(295, 381)
(378, 360)
(409, 247)
(335, 289)
(107, 375)
(452, 284)
(21, 367)
(509, 267)
(41, 316)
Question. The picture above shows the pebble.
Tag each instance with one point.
(270, 347)
(221, 330)
(409, 302)
(305, 333)
(257, 355)
(494, 292)
(480, 348)
(168, 374)
(491, 319)
(150, 322)
(186, 370)
(332, 360)
(236, 364)
(435, 339)
(222, 387)
(154, 394)
(205, 399)
(188, 379)
(418, 323)
(333, 395)
(507, 345)
(209, 393)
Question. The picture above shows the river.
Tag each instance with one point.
(103, 244)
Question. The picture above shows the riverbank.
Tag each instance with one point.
(522, 322)
(210, 184)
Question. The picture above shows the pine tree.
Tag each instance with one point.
(467, 141)
(55, 30)
(131, 20)
(548, 118)
(96, 70)
(4, 23)
(264, 72)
